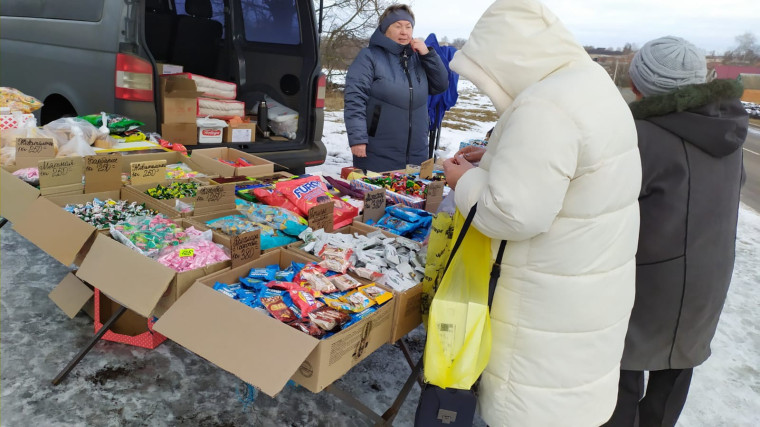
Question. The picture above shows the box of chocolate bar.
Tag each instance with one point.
(282, 317)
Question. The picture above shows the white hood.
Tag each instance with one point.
(515, 44)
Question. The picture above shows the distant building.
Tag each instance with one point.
(731, 72)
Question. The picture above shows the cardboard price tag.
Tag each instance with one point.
(245, 247)
(208, 195)
(321, 216)
(63, 171)
(102, 173)
(374, 204)
(435, 189)
(187, 252)
(30, 150)
(147, 172)
(426, 169)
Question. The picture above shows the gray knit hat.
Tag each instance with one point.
(666, 64)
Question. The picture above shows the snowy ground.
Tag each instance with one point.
(726, 389)
(119, 385)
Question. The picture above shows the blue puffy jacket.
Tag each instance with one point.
(387, 88)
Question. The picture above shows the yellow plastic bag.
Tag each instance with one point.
(439, 247)
(459, 327)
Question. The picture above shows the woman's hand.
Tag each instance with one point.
(359, 150)
(419, 46)
(471, 153)
(454, 168)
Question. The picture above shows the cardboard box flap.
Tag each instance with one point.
(179, 87)
(71, 295)
(258, 349)
(134, 280)
(55, 231)
(15, 196)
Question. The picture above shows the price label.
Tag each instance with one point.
(31, 150)
(102, 173)
(58, 172)
(215, 195)
(321, 217)
(374, 204)
(148, 172)
(188, 252)
(245, 247)
(426, 169)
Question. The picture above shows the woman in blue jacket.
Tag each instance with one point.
(387, 87)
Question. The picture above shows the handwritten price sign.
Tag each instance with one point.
(184, 253)
(245, 247)
(148, 172)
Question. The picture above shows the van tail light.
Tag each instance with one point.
(321, 88)
(134, 78)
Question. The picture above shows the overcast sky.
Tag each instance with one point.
(710, 24)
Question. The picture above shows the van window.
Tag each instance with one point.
(72, 10)
(269, 21)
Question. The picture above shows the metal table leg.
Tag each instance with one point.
(90, 344)
(3, 221)
(354, 403)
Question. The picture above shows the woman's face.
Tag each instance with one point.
(400, 32)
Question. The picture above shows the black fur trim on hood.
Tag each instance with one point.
(686, 98)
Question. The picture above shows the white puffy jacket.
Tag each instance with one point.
(560, 182)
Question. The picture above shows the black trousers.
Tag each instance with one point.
(659, 404)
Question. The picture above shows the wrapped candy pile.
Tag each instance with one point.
(400, 183)
(176, 190)
(307, 297)
(103, 214)
(182, 171)
(395, 262)
(406, 221)
(156, 236)
(278, 226)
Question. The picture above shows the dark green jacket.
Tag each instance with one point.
(690, 142)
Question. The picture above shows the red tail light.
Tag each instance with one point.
(134, 78)
(321, 88)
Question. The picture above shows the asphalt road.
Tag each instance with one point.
(751, 189)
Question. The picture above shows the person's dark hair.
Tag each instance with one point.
(394, 7)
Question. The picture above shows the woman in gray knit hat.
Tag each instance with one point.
(690, 137)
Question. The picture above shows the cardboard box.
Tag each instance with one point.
(16, 196)
(240, 132)
(162, 68)
(131, 328)
(178, 96)
(180, 133)
(214, 198)
(207, 158)
(63, 235)
(72, 295)
(259, 349)
(136, 281)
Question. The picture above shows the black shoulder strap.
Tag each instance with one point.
(460, 237)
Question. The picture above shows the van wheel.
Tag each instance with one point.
(54, 107)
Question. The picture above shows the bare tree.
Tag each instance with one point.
(346, 25)
(748, 49)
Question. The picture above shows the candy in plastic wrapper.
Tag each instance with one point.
(376, 293)
(305, 301)
(285, 275)
(266, 273)
(358, 299)
(269, 293)
(277, 308)
(242, 293)
(308, 192)
(317, 280)
(328, 318)
(308, 327)
(271, 196)
(367, 273)
(252, 283)
(357, 317)
(344, 282)
(335, 259)
(283, 286)
(226, 289)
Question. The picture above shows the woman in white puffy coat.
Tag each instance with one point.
(560, 181)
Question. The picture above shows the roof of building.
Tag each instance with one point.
(733, 71)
